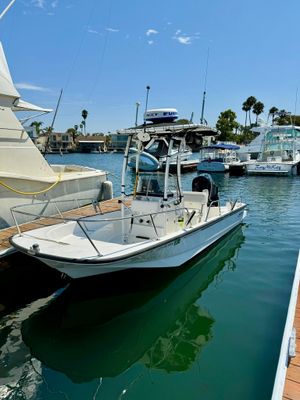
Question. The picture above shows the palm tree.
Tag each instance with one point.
(246, 108)
(48, 129)
(73, 132)
(273, 111)
(251, 101)
(84, 115)
(37, 125)
(258, 108)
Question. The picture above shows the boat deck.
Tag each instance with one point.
(292, 380)
(5, 234)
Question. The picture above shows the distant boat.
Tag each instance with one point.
(280, 152)
(218, 157)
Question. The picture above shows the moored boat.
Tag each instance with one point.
(280, 153)
(26, 177)
(218, 157)
(164, 226)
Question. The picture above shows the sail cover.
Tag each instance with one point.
(8, 93)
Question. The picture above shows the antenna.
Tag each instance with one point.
(146, 106)
(57, 105)
(204, 92)
(6, 9)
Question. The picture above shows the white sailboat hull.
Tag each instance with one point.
(171, 251)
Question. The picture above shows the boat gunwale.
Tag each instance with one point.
(152, 245)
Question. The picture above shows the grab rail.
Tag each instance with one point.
(83, 224)
(209, 208)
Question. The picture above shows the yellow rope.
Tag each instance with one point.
(31, 193)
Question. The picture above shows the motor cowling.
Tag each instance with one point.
(205, 182)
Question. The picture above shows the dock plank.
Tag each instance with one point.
(291, 390)
(292, 380)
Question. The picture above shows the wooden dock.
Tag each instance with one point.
(89, 210)
(292, 380)
(287, 379)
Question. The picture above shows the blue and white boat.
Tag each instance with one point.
(218, 157)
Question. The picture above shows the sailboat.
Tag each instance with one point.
(25, 176)
(159, 226)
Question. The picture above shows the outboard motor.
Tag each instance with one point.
(205, 181)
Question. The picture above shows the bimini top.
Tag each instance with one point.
(222, 146)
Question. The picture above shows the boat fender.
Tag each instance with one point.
(106, 191)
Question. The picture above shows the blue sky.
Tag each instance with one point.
(104, 53)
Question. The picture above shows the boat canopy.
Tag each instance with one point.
(222, 146)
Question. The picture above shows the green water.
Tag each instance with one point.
(211, 330)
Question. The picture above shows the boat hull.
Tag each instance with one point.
(212, 166)
(272, 168)
(68, 189)
(164, 254)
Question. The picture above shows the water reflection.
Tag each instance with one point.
(100, 329)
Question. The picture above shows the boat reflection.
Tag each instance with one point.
(100, 329)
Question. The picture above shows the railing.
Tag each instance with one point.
(84, 222)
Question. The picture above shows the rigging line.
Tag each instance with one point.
(101, 57)
(75, 58)
(6, 9)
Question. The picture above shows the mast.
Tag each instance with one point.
(204, 92)
(53, 120)
(202, 110)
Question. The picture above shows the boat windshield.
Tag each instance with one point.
(153, 183)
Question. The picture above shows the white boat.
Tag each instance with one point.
(164, 227)
(218, 157)
(25, 176)
(280, 153)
